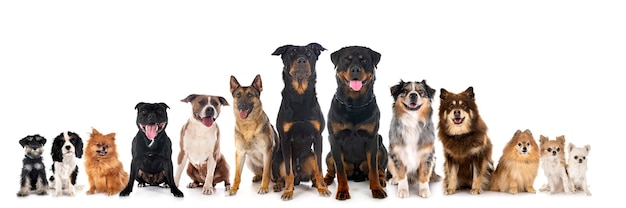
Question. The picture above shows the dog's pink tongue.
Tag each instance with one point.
(356, 85)
(151, 131)
(207, 121)
(243, 114)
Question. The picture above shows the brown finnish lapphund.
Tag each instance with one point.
(467, 148)
(300, 122)
(256, 139)
(356, 147)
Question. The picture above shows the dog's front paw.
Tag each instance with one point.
(277, 188)
(403, 193)
(42, 191)
(449, 191)
(58, 192)
(342, 195)
(177, 193)
(379, 194)
(23, 193)
(424, 192)
(231, 192)
(324, 192)
(513, 191)
(125, 192)
(263, 190)
(208, 190)
(287, 195)
(588, 193)
(476, 191)
(530, 189)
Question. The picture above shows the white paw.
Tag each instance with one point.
(207, 190)
(403, 193)
(424, 193)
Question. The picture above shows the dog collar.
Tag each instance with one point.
(354, 106)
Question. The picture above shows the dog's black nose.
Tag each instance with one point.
(580, 160)
(553, 152)
(301, 60)
(67, 147)
(209, 111)
(524, 149)
(355, 69)
(413, 95)
(457, 113)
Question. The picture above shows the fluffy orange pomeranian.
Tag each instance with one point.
(105, 171)
(518, 165)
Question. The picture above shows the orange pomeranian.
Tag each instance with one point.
(105, 172)
(518, 166)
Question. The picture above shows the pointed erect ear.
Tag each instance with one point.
(443, 94)
(281, 50)
(527, 131)
(112, 135)
(189, 98)
(317, 48)
(139, 105)
(561, 139)
(222, 100)
(256, 83)
(470, 92)
(542, 139)
(588, 147)
(94, 131)
(517, 133)
(570, 147)
(234, 84)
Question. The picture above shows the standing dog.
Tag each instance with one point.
(200, 145)
(353, 121)
(67, 147)
(467, 148)
(256, 139)
(577, 167)
(104, 169)
(412, 137)
(33, 177)
(151, 150)
(300, 121)
(518, 165)
(554, 165)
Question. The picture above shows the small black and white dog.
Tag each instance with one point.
(66, 148)
(33, 176)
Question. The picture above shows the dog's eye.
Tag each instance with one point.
(308, 54)
(584, 158)
(519, 144)
(346, 61)
(575, 157)
(238, 95)
(144, 111)
(549, 149)
(463, 105)
(527, 143)
(213, 103)
(451, 105)
(364, 61)
(421, 93)
(249, 95)
(292, 53)
(98, 145)
(202, 102)
(558, 149)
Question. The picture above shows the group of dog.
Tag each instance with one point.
(291, 151)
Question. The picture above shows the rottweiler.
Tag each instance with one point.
(353, 121)
(300, 122)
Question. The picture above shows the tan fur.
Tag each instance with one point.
(554, 165)
(105, 172)
(467, 148)
(517, 170)
(255, 137)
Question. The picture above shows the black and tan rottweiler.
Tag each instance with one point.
(300, 122)
(353, 121)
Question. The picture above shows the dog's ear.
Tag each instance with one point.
(542, 139)
(527, 131)
(375, 57)
(517, 133)
(163, 105)
(443, 94)
(94, 131)
(257, 83)
(396, 89)
(588, 147)
(281, 50)
(317, 48)
(79, 146)
(222, 101)
(57, 144)
(24, 140)
(430, 92)
(234, 84)
(139, 105)
(470, 92)
(570, 147)
(189, 98)
(561, 139)
(334, 57)
(111, 135)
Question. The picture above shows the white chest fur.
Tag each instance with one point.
(410, 131)
(199, 141)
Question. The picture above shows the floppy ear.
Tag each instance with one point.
(443, 94)
(163, 105)
(139, 105)
(189, 98)
(23, 141)
(396, 89)
(334, 57)
(281, 50)
(317, 48)
(222, 100)
(257, 84)
(79, 146)
(57, 156)
(588, 147)
(430, 92)
(234, 84)
(375, 57)
(570, 147)
(470, 92)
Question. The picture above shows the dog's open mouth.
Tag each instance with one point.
(151, 130)
(412, 106)
(243, 113)
(102, 152)
(356, 84)
(207, 121)
(458, 121)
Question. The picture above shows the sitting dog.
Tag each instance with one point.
(151, 150)
(300, 122)
(67, 147)
(518, 165)
(466, 146)
(104, 170)
(353, 121)
(554, 165)
(256, 139)
(412, 137)
(33, 177)
(200, 145)
(577, 168)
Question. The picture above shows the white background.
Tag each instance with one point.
(548, 66)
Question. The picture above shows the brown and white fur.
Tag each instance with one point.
(518, 165)
(412, 138)
(200, 145)
(554, 165)
(577, 167)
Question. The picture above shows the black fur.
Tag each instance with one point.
(152, 159)
(33, 168)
